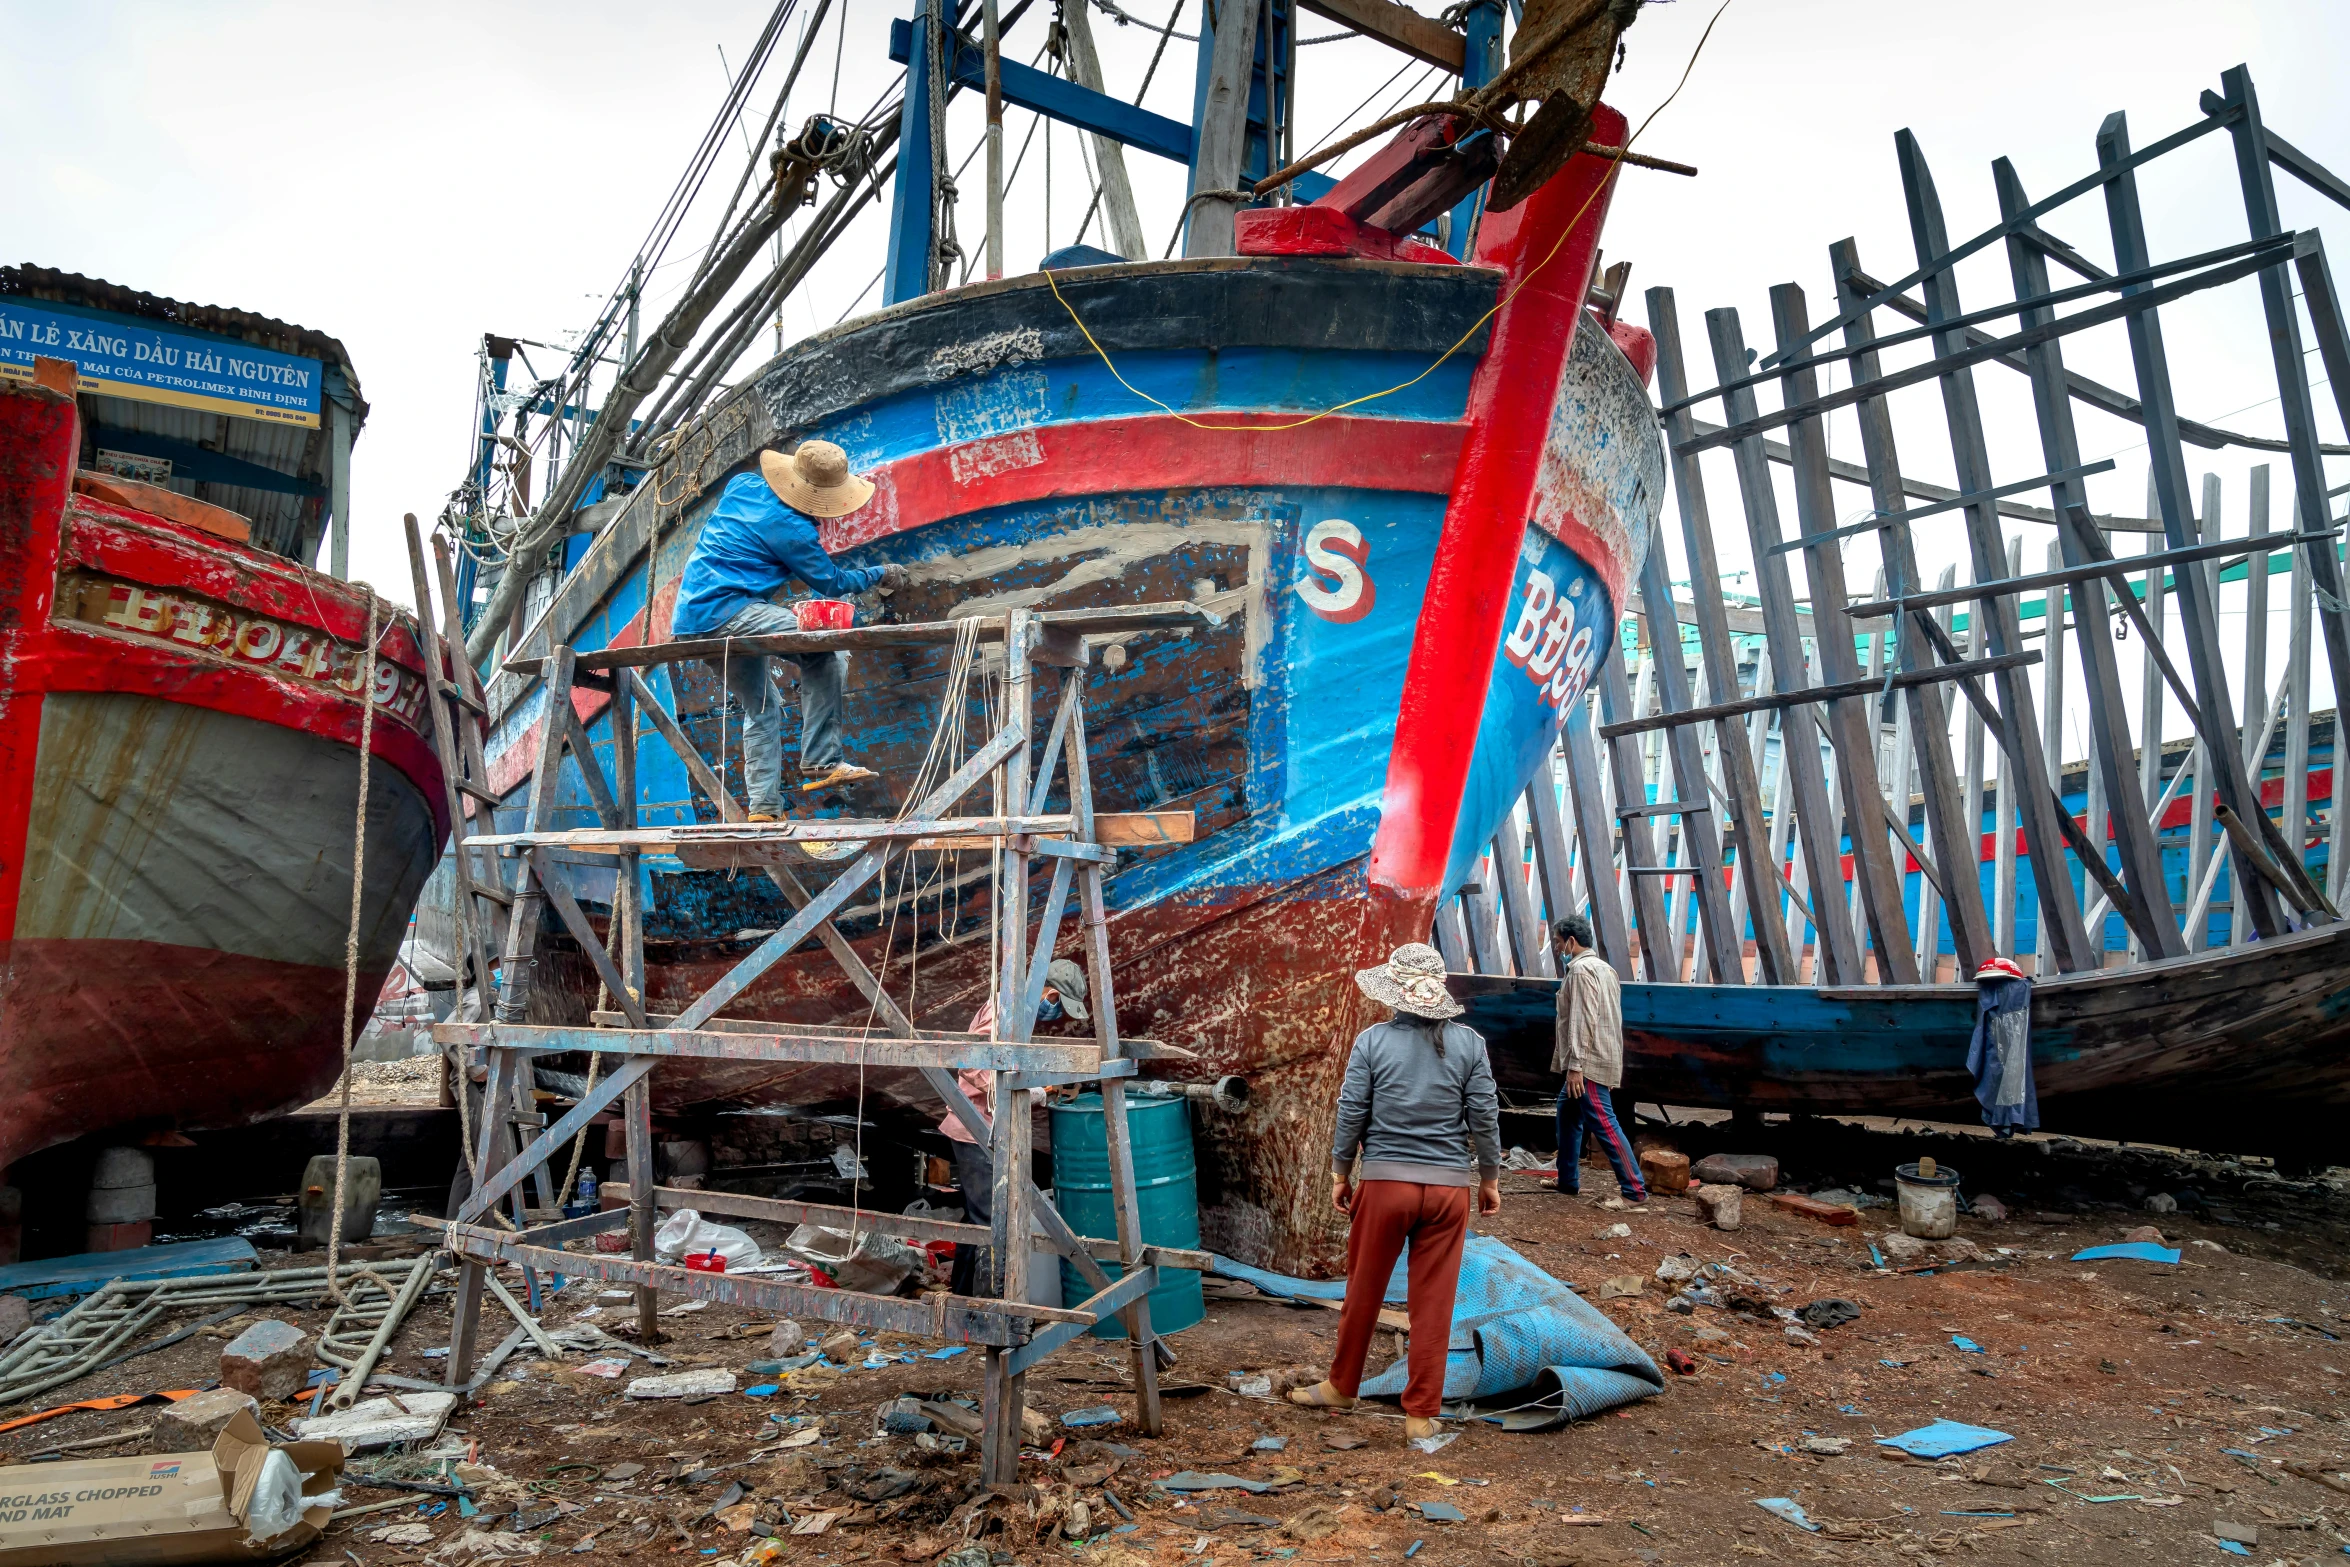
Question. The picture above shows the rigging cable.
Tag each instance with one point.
(1475, 327)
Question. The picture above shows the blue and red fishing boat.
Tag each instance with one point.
(1411, 490)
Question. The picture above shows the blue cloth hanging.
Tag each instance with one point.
(1999, 1056)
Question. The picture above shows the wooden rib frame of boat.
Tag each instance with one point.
(2193, 970)
(180, 715)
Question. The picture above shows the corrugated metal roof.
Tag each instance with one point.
(285, 523)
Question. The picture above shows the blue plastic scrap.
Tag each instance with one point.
(2237, 1548)
(948, 1353)
(1098, 1415)
(1442, 1512)
(1965, 1345)
(1945, 1438)
(86, 1272)
(1789, 1509)
(1519, 1336)
(2133, 1251)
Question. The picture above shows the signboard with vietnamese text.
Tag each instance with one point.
(151, 363)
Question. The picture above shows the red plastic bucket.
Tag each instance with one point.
(825, 614)
(705, 1262)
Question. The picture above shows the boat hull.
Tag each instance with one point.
(2242, 1051)
(179, 779)
(1016, 466)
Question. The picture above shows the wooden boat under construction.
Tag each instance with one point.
(2246, 1050)
(1781, 870)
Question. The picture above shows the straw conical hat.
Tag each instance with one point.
(816, 480)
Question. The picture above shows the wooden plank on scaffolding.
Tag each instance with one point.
(2061, 934)
(1823, 855)
(1852, 722)
(1143, 1347)
(941, 1079)
(1740, 776)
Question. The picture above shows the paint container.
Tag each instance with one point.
(825, 614)
(1929, 1201)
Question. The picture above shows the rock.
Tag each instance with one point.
(15, 1316)
(785, 1339)
(841, 1348)
(1035, 1429)
(1798, 1334)
(1988, 1208)
(1719, 1205)
(1957, 1248)
(2161, 1202)
(270, 1359)
(381, 1422)
(1900, 1249)
(1827, 1446)
(1756, 1172)
(1679, 1268)
(1613, 1232)
(1681, 1305)
(193, 1424)
(2146, 1233)
(1664, 1169)
(1621, 1285)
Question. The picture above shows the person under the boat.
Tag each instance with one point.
(763, 534)
(1064, 1003)
(1589, 1054)
(1419, 1107)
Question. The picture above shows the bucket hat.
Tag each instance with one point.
(1411, 980)
(1066, 977)
(815, 479)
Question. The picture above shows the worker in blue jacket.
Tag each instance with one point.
(761, 536)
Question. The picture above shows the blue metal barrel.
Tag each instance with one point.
(1167, 1186)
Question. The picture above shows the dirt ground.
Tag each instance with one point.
(2146, 1402)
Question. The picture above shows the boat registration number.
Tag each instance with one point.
(278, 647)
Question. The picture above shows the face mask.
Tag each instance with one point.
(1050, 1012)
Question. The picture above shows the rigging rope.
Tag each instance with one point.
(1567, 229)
(334, 1234)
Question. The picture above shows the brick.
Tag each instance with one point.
(270, 1360)
(1835, 1213)
(1664, 1169)
(193, 1424)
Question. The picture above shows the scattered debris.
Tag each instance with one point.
(1945, 1439)
(380, 1422)
(1719, 1205)
(1620, 1285)
(2129, 1251)
(1838, 1214)
(1828, 1312)
(1679, 1268)
(1755, 1172)
(683, 1384)
(1790, 1510)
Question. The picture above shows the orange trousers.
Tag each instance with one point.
(1435, 1220)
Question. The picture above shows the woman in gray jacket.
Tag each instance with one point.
(1418, 1106)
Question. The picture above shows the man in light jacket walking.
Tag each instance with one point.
(1419, 1106)
(1590, 1054)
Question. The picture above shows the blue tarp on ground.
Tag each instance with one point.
(1519, 1337)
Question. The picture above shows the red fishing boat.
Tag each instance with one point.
(180, 716)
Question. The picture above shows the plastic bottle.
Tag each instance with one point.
(587, 1188)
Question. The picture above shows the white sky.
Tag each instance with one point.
(407, 178)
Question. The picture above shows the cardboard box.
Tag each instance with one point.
(173, 1507)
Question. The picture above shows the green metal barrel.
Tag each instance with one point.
(1167, 1186)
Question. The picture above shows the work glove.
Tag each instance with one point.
(893, 577)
